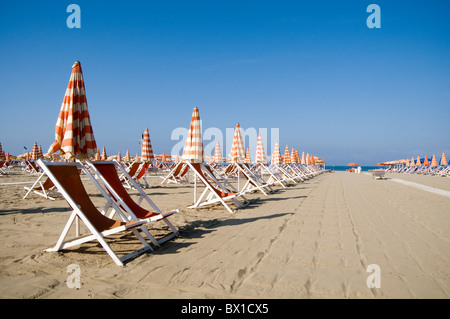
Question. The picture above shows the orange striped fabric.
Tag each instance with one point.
(127, 156)
(287, 157)
(237, 154)
(433, 161)
(218, 154)
(261, 156)
(247, 156)
(303, 158)
(193, 148)
(146, 150)
(418, 162)
(443, 160)
(35, 152)
(104, 156)
(276, 155)
(293, 158)
(313, 161)
(73, 132)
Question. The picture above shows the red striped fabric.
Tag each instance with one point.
(193, 148)
(73, 131)
(147, 151)
(237, 154)
(276, 155)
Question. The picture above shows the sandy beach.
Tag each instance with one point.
(312, 240)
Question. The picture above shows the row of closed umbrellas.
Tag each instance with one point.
(74, 136)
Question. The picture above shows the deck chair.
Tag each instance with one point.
(45, 189)
(141, 175)
(283, 173)
(107, 173)
(215, 192)
(132, 171)
(2, 171)
(66, 177)
(177, 175)
(253, 182)
(274, 177)
(31, 167)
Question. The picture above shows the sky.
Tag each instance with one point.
(310, 72)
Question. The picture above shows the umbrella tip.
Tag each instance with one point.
(76, 63)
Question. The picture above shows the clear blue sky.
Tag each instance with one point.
(313, 69)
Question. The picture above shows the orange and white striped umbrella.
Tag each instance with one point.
(98, 157)
(407, 162)
(425, 161)
(35, 152)
(412, 162)
(104, 156)
(261, 156)
(40, 154)
(433, 161)
(217, 154)
(287, 157)
(193, 148)
(136, 158)
(418, 162)
(276, 155)
(127, 156)
(297, 157)
(247, 156)
(74, 135)
(444, 160)
(237, 154)
(313, 161)
(146, 148)
(2, 153)
(119, 157)
(293, 158)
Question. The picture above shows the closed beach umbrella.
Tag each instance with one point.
(261, 156)
(313, 162)
(217, 154)
(193, 149)
(127, 156)
(287, 157)
(73, 132)
(303, 158)
(276, 155)
(2, 153)
(418, 162)
(407, 162)
(412, 162)
(136, 158)
(119, 157)
(97, 156)
(247, 156)
(425, 161)
(237, 154)
(293, 159)
(443, 160)
(433, 161)
(146, 150)
(35, 152)
(104, 156)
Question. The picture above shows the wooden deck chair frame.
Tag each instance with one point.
(212, 194)
(45, 188)
(98, 225)
(120, 195)
(31, 167)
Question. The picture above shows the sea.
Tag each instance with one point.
(344, 168)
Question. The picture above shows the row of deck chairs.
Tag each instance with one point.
(65, 178)
(219, 189)
(441, 171)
